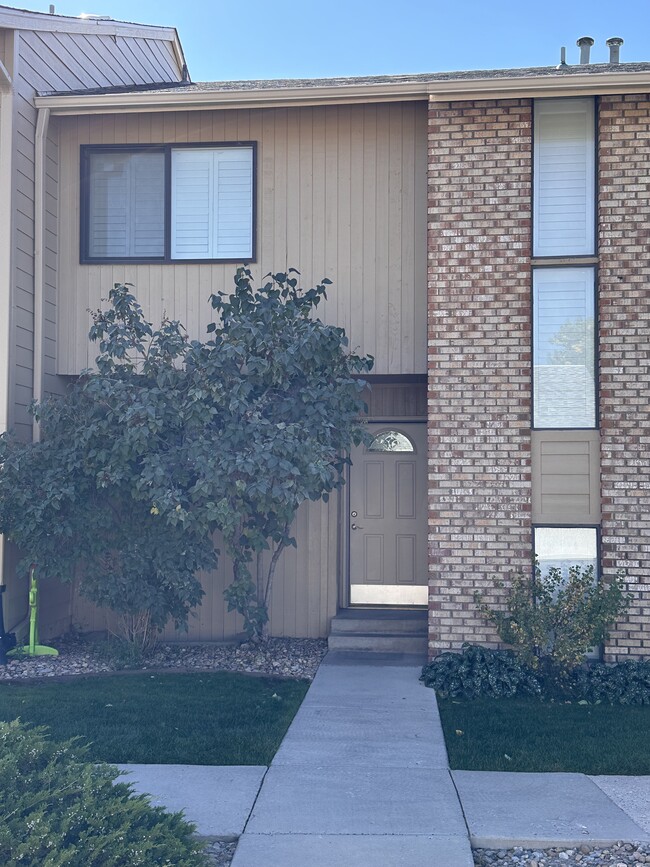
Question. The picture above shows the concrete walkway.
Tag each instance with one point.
(362, 778)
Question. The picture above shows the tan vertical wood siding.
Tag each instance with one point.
(57, 61)
(341, 192)
(304, 597)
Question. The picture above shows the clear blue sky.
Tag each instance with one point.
(301, 38)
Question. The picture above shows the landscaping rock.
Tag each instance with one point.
(221, 854)
(280, 657)
(618, 855)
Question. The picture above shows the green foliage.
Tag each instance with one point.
(170, 441)
(59, 810)
(624, 683)
(478, 672)
(289, 399)
(557, 619)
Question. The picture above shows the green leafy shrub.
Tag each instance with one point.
(624, 683)
(58, 810)
(556, 618)
(478, 672)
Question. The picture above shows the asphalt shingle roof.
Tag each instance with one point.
(416, 78)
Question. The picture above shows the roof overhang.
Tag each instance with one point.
(184, 99)
(21, 19)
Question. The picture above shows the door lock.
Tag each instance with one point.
(353, 514)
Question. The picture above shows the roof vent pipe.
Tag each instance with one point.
(562, 62)
(584, 44)
(614, 45)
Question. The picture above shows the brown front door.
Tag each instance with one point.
(388, 517)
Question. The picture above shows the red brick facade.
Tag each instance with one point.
(624, 314)
(479, 359)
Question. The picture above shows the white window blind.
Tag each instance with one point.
(563, 348)
(212, 203)
(564, 184)
(126, 205)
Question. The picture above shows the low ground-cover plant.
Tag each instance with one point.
(60, 809)
(624, 683)
(551, 621)
(478, 673)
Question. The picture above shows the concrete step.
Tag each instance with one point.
(379, 642)
(352, 620)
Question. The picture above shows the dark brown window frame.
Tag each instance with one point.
(583, 260)
(166, 150)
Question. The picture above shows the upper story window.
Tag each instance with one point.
(564, 368)
(564, 233)
(564, 178)
(168, 203)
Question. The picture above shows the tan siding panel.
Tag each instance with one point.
(338, 196)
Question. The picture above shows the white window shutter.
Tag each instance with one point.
(192, 197)
(126, 205)
(564, 180)
(212, 203)
(234, 204)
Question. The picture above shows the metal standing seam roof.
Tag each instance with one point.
(417, 78)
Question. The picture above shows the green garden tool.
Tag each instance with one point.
(33, 648)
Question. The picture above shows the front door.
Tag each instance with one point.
(388, 517)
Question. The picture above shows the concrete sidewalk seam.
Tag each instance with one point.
(462, 806)
(259, 789)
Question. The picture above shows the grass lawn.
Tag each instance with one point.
(529, 735)
(196, 719)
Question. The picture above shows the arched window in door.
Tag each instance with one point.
(391, 441)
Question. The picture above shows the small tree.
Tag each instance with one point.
(169, 441)
(274, 400)
(69, 501)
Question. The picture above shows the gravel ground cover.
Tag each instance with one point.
(281, 657)
(619, 855)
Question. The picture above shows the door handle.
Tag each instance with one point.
(356, 527)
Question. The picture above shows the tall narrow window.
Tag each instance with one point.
(564, 180)
(563, 348)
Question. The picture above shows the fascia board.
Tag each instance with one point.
(436, 91)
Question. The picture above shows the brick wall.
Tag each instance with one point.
(624, 311)
(479, 358)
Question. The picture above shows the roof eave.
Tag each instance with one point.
(437, 91)
(22, 19)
